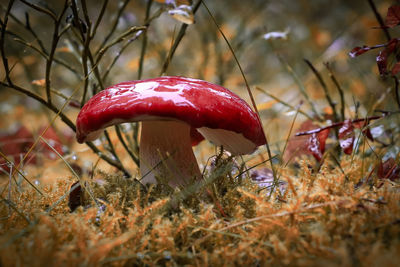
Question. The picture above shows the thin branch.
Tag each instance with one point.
(300, 85)
(101, 14)
(284, 103)
(396, 90)
(340, 90)
(111, 146)
(380, 20)
(40, 9)
(144, 40)
(337, 124)
(115, 59)
(20, 173)
(117, 40)
(114, 26)
(54, 43)
(14, 207)
(2, 35)
(324, 87)
(121, 138)
(67, 121)
(177, 41)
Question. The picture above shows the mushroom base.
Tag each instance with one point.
(166, 154)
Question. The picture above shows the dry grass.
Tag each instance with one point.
(321, 219)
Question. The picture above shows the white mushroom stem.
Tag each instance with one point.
(166, 153)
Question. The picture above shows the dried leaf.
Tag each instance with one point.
(383, 55)
(40, 82)
(74, 199)
(15, 144)
(174, 2)
(182, 13)
(277, 35)
(316, 144)
(368, 134)
(298, 145)
(264, 178)
(396, 68)
(356, 51)
(346, 137)
(393, 16)
(389, 169)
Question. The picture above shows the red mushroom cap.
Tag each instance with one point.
(200, 104)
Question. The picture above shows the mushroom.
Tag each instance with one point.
(176, 113)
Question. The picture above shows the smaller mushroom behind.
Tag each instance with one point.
(173, 111)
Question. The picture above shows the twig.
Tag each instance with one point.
(324, 87)
(101, 14)
(2, 35)
(115, 59)
(247, 87)
(177, 41)
(300, 86)
(396, 90)
(380, 20)
(20, 173)
(114, 26)
(120, 137)
(337, 124)
(284, 103)
(117, 40)
(66, 120)
(144, 40)
(111, 146)
(14, 207)
(40, 9)
(340, 90)
(54, 43)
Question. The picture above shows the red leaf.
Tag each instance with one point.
(368, 134)
(74, 103)
(383, 55)
(74, 198)
(356, 51)
(298, 145)
(14, 145)
(316, 144)
(393, 16)
(396, 68)
(346, 137)
(389, 170)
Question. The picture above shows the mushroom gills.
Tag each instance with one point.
(166, 154)
(235, 143)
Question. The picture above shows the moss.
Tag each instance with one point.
(223, 221)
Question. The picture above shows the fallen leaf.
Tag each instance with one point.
(75, 196)
(182, 13)
(14, 145)
(316, 144)
(382, 58)
(389, 169)
(393, 16)
(346, 136)
(356, 51)
(41, 82)
(277, 35)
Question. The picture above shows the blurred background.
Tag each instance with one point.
(271, 39)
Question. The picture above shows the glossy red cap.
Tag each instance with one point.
(202, 105)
